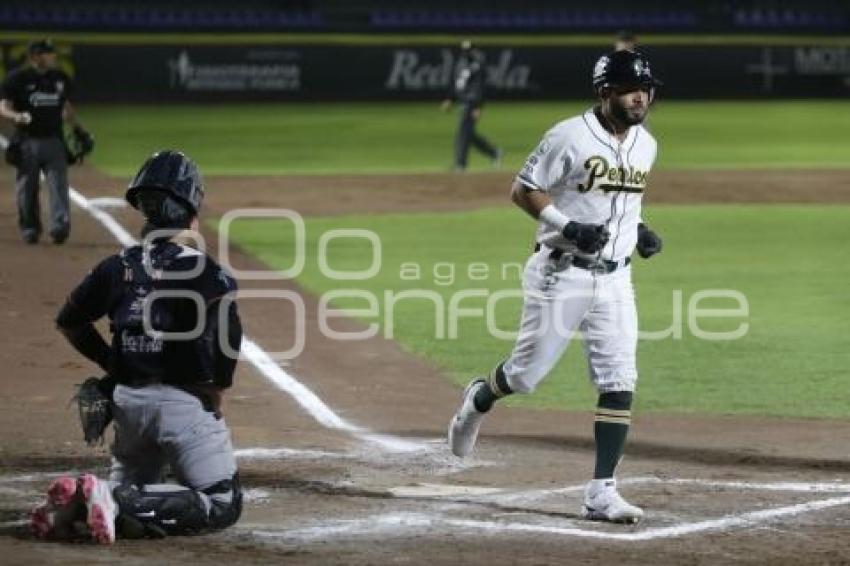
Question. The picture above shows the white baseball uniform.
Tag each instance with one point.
(592, 178)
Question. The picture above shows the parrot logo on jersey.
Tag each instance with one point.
(630, 180)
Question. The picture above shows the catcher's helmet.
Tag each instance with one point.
(623, 69)
(166, 179)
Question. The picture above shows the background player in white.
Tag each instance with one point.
(584, 183)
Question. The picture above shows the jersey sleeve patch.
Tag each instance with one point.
(546, 165)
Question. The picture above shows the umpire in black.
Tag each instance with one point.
(468, 89)
(36, 98)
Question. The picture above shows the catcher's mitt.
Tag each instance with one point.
(80, 144)
(95, 410)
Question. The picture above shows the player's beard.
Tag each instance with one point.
(629, 117)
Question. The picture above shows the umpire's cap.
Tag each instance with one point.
(623, 69)
(171, 172)
(40, 46)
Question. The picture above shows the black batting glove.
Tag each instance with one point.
(589, 238)
(648, 243)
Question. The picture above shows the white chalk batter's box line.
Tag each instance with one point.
(401, 524)
(262, 361)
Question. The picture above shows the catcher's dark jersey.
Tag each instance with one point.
(42, 94)
(119, 287)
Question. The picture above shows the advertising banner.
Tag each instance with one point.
(134, 72)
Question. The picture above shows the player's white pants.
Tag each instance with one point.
(562, 300)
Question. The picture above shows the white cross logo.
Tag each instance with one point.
(767, 69)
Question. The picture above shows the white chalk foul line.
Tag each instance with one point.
(308, 400)
(108, 202)
(317, 408)
(261, 360)
(108, 221)
(250, 350)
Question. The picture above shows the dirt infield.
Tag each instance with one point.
(336, 194)
(717, 489)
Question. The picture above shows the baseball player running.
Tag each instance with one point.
(165, 389)
(584, 183)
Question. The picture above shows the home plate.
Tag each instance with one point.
(441, 490)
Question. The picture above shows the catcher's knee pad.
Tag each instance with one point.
(160, 511)
(225, 502)
(178, 510)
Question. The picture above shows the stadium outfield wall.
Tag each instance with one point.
(217, 67)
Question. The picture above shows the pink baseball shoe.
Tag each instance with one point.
(101, 509)
(54, 519)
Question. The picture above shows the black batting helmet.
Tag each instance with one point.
(168, 189)
(623, 69)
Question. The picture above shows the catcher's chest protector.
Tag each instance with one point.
(147, 326)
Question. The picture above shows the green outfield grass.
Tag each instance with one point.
(270, 139)
(790, 262)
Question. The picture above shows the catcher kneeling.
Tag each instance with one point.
(176, 337)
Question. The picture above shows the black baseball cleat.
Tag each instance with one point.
(59, 236)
